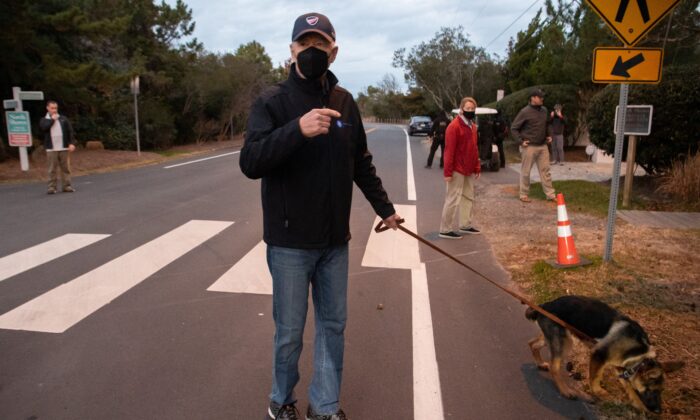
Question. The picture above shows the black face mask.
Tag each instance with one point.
(312, 63)
(469, 114)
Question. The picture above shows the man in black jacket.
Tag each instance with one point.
(437, 134)
(531, 127)
(58, 142)
(306, 141)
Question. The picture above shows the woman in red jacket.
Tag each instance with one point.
(461, 162)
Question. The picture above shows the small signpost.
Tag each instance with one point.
(18, 122)
(630, 21)
(637, 123)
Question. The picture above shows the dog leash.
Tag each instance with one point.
(581, 335)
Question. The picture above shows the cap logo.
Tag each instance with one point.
(312, 20)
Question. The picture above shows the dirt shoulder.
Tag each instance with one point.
(84, 162)
(654, 279)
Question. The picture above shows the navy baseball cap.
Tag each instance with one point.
(537, 92)
(313, 22)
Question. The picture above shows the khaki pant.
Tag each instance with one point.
(538, 155)
(459, 196)
(58, 160)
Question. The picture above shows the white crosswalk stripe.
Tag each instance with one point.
(249, 275)
(37, 255)
(62, 307)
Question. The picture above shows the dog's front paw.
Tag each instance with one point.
(599, 393)
(586, 397)
(543, 366)
(570, 394)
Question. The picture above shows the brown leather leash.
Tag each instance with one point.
(581, 335)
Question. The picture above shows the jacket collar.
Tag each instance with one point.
(464, 121)
(315, 87)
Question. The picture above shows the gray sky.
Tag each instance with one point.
(368, 31)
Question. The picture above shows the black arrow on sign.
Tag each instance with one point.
(620, 68)
(643, 9)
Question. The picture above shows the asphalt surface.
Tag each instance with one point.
(169, 349)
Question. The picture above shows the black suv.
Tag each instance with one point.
(419, 124)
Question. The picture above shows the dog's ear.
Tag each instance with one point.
(669, 367)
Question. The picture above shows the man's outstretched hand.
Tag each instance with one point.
(317, 121)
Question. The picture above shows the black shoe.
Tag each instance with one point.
(310, 415)
(428, 166)
(469, 231)
(282, 412)
(449, 235)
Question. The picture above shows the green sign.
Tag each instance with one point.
(19, 128)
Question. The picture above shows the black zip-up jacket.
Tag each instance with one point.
(307, 182)
(45, 127)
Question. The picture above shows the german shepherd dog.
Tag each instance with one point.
(621, 343)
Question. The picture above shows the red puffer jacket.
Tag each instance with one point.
(461, 153)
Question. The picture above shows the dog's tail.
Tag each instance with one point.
(531, 314)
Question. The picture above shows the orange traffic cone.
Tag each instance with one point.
(566, 253)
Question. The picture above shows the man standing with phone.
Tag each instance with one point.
(58, 142)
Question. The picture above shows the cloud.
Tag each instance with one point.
(368, 31)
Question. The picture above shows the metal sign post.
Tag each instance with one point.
(615, 182)
(135, 91)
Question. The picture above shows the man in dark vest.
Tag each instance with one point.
(437, 133)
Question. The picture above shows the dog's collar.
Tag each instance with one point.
(627, 373)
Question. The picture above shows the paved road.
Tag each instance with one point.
(156, 305)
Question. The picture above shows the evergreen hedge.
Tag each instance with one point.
(675, 129)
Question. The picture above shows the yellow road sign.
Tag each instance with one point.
(627, 65)
(632, 19)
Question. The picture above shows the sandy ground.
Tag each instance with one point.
(654, 279)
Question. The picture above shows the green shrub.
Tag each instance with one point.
(675, 127)
(566, 95)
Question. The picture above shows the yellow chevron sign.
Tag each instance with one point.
(632, 19)
(627, 65)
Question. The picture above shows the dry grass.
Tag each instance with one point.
(683, 181)
(654, 279)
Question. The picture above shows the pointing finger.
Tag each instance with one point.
(329, 112)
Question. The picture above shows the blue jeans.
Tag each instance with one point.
(292, 271)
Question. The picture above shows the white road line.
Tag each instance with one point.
(201, 160)
(410, 180)
(427, 395)
(249, 275)
(37, 255)
(393, 248)
(59, 309)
